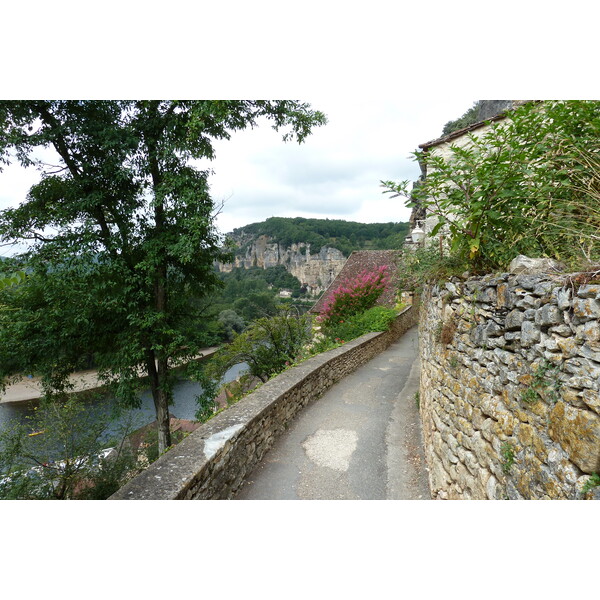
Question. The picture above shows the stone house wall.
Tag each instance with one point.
(213, 461)
(510, 387)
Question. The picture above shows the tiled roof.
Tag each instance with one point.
(359, 261)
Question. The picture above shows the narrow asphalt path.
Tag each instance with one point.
(360, 441)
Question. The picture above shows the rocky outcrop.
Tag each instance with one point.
(316, 271)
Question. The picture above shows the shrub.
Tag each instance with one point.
(354, 296)
(377, 318)
(267, 346)
(529, 185)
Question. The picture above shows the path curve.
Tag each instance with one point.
(360, 441)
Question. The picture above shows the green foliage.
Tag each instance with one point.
(418, 400)
(320, 344)
(530, 184)
(592, 482)
(529, 395)
(508, 454)
(59, 454)
(128, 266)
(205, 401)
(231, 322)
(267, 346)
(13, 279)
(422, 265)
(544, 383)
(255, 306)
(346, 236)
(150, 447)
(470, 117)
(378, 318)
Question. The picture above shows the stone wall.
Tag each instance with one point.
(510, 387)
(213, 461)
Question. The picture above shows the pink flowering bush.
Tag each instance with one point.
(354, 296)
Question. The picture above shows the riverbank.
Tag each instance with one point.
(30, 388)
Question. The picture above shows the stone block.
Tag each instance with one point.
(504, 297)
(530, 333)
(588, 332)
(562, 297)
(526, 265)
(591, 351)
(578, 432)
(586, 308)
(568, 346)
(514, 320)
(544, 288)
(528, 301)
(549, 342)
(589, 291)
(562, 330)
(548, 314)
(591, 398)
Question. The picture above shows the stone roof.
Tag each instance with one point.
(359, 261)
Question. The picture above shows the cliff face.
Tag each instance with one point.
(317, 271)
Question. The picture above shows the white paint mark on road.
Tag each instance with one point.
(331, 448)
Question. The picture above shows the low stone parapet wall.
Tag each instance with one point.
(213, 461)
(510, 387)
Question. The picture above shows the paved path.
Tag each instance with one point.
(360, 441)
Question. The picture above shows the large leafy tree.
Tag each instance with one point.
(121, 233)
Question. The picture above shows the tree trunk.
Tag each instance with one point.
(157, 370)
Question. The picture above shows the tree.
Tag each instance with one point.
(66, 456)
(266, 346)
(122, 234)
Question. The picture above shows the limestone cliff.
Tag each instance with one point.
(316, 271)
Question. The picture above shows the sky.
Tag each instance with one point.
(335, 173)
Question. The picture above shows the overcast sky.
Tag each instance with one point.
(334, 174)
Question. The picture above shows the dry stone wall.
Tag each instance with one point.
(213, 461)
(510, 387)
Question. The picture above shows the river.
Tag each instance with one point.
(184, 407)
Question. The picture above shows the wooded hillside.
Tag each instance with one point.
(346, 236)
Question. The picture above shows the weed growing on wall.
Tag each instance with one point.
(591, 483)
(544, 383)
(508, 454)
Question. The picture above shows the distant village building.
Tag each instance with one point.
(285, 293)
